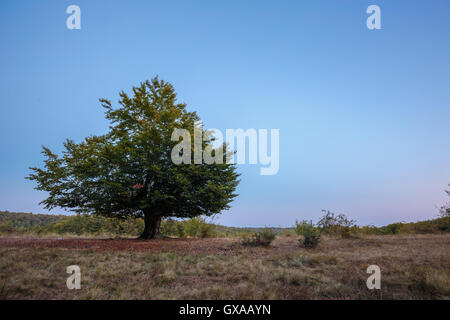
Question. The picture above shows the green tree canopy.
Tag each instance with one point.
(129, 172)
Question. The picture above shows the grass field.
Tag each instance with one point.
(412, 267)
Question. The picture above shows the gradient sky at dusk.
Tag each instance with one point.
(363, 115)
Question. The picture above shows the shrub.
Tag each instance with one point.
(7, 227)
(169, 227)
(179, 231)
(191, 227)
(195, 227)
(394, 228)
(267, 236)
(337, 224)
(206, 230)
(263, 238)
(371, 229)
(198, 227)
(443, 224)
(311, 235)
(94, 225)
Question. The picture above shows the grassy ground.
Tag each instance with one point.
(412, 266)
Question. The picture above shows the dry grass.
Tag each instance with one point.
(413, 267)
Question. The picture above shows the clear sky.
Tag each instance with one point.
(363, 114)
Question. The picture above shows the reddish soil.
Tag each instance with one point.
(215, 246)
(208, 246)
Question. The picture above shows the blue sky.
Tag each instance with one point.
(363, 114)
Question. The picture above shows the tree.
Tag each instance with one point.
(129, 172)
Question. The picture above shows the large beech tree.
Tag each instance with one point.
(129, 172)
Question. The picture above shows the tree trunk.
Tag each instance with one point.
(152, 224)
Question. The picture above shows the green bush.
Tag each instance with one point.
(337, 224)
(393, 228)
(311, 235)
(443, 224)
(191, 227)
(7, 227)
(206, 230)
(169, 227)
(263, 238)
(198, 227)
(195, 227)
(94, 225)
(179, 232)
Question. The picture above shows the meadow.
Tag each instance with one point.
(412, 267)
(198, 260)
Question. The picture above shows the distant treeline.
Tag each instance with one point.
(438, 225)
(44, 224)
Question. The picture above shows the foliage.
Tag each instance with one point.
(439, 225)
(128, 172)
(336, 224)
(85, 224)
(82, 224)
(42, 224)
(262, 238)
(311, 235)
(196, 228)
(23, 220)
(393, 228)
(171, 227)
(193, 226)
(207, 230)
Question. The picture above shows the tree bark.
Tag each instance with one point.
(151, 226)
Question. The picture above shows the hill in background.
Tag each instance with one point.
(44, 224)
